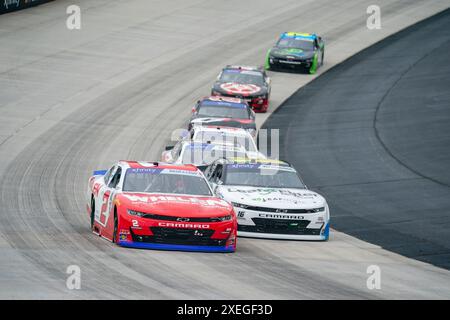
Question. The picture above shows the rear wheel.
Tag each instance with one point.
(267, 65)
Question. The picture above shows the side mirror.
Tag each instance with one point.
(167, 148)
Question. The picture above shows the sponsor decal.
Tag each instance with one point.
(260, 167)
(122, 237)
(291, 62)
(269, 195)
(181, 172)
(239, 105)
(240, 89)
(178, 199)
(268, 199)
(185, 225)
(145, 170)
(251, 191)
(224, 99)
(163, 171)
(280, 216)
(123, 234)
(298, 194)
(266, 191)
(276, 167)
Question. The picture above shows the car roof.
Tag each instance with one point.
(298, 35)
(219, 100)
(232, 130)
(244, 68)
(156, 164)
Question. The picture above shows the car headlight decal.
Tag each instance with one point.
(136, 213)
(225, 218)
(239, 205)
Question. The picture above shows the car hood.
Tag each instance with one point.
(279, 198)
(174, 205)
(239, 89)
(296, 53)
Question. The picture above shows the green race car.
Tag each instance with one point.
(296, 51)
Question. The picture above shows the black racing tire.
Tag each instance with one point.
(116, 223)
(92, 211)
(321, 60)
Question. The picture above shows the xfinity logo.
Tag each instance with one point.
(183, 225)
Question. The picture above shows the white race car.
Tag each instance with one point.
(218, 135)
(204, 144)
(270, 199)
(202, 154)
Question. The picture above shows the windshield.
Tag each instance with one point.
(158, 180)
(221, 137)
(243, 77)
(223, 112)
(262, 175)
(204, 154)
(303, 44)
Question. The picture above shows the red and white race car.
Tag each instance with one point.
(159, 206)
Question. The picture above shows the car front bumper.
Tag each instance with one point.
(175, 247)
(289, 63)
(320, 237)
(149, 233)
(298, 226)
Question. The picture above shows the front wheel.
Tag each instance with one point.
(116, 222)
(92, 212)
(314, 64)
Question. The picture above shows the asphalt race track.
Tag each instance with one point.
(76, 101)
(373, 136)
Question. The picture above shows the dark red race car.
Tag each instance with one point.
(249, 83)
(159, 206)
